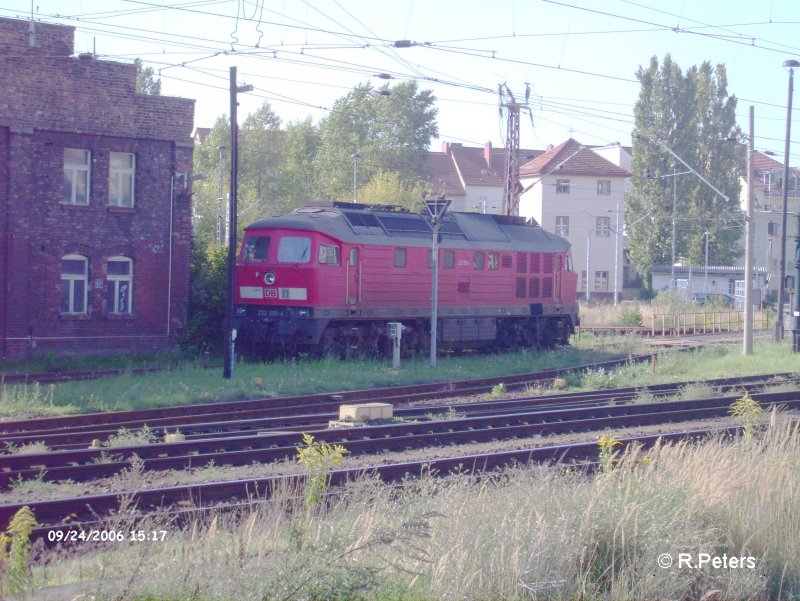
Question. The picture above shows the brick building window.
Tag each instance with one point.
(74, 284)
(121, 178)
(119, 285)
(77, 172)
(602, 227)
(562, 225)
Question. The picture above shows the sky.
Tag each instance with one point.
(578, 58)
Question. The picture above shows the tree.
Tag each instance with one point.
(388, 187)
(692, 115)
(146, 82)
(389, 128)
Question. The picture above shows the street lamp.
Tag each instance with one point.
(436, 209)
(230, 332)
(791, 65)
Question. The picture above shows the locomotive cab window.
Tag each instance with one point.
(399, 257)
(256, 248)
(328, 255)
(294, 249)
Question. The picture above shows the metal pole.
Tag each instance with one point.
(436, 210)
(221, 149)
(229, 305)
(588, 262)
(747, 344)
(616, 259)
(435, 290)
(674, 199)
(705, 272)
(796, 316)
(781, 295)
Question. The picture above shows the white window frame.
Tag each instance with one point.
(75, 173)
(600, 281)
(121, 193)
(562, 186)
(603, 187)
(602, 227)
(114, 282)
(69, 280)
(562, 225)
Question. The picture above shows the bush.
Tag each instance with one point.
(205, 315)
(632, 316)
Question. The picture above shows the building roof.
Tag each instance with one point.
(572, 158)
(457, 166)
(768, 174)
(200, 134)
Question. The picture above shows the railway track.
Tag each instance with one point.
(367, 440)
(178, 503)
(273, 437)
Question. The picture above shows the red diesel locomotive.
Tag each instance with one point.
(327, 279)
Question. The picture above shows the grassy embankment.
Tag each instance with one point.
(188, 383)
(527, 533)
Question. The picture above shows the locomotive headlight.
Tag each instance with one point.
(304, 312)
(269, 278)
(241, 311)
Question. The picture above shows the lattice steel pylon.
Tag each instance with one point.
(513, 110)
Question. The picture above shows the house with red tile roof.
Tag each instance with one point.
(575, 192)
(768, 175)
(473, 177)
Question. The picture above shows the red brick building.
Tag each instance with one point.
(95, 201)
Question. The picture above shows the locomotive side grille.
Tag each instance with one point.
(548, 263)
(507, 261)
(522, 262)
(535, 261)
(463, 287)
(547, 287)
(521, 285)
(533, 288)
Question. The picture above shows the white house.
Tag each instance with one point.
(768, 216)
(577, 193)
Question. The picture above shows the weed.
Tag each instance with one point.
(498, 391)
(318, 457)
(746, 409)
(14, 547)
(606, 445)
(450, 414)
(30, 448)
(130, 438)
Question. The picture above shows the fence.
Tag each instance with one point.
(702, 323)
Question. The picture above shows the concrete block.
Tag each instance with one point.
(365, 412)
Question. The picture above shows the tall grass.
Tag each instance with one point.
(539, 533)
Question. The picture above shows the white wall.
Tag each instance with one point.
(583, 205)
